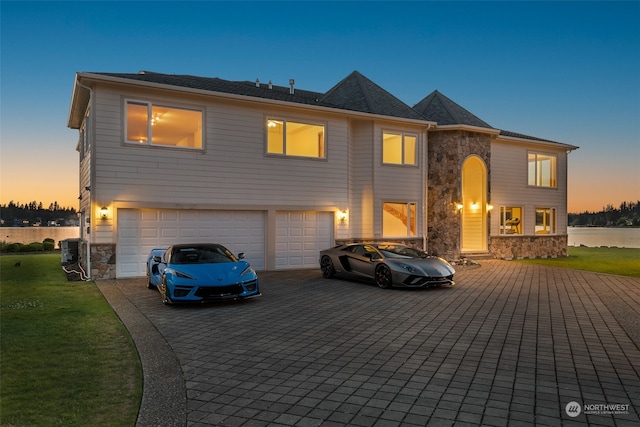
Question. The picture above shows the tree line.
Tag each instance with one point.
(626, 215)
(14, 214)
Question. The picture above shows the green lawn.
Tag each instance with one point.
(623, 261)
(66, 359)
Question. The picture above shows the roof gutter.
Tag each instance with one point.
(467, 128)
(553, 144)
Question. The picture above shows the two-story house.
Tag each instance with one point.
(280, 173)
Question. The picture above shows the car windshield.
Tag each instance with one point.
(209, 254)
(400, 251)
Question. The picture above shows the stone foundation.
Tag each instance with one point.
(103, 261)
(519, 247)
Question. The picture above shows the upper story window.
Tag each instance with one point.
(399, 149)
(398, 219)
(291, 138)
(542, 170)
(164, 126)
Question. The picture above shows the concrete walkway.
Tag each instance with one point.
(510, 344)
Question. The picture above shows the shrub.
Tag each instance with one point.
(48, 244)
(33, 247)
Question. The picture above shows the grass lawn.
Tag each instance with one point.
(623, 261)
(66, 359)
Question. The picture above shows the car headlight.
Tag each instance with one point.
(248, 270)
(183, 275)
(408, 267)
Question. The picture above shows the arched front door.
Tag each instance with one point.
(474, 205)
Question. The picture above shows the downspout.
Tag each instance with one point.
(88, 272)
(425, 183)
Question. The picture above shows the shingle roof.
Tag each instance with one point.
(523, 136)
(354, 93)
(215, 84)
(440, 109)
(357, 93)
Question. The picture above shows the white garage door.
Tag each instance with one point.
(140, 230)
(300, 236)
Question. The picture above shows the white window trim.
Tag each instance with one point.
(150, 105)
(502, 231)
(417, 215)
(554, 217)
(402, 136)
(555, 177)
(284, 137)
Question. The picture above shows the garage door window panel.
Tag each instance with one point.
(158, 125)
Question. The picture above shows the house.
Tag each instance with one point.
(279, 173)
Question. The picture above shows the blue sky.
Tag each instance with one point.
(565, 71)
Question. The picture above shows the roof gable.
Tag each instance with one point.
(438, 108)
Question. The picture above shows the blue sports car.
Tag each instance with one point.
(200, 272)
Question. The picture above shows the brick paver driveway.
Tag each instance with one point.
(510, 344)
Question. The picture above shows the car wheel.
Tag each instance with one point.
(326, 265)
(383, 276)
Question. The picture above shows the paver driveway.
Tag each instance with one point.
(510, 344)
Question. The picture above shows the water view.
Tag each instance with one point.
(602, 236)
(586, 236)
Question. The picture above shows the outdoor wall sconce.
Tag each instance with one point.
(104, 212)
(474, 206)
(459, 206)
(342, 217)
(489, 207)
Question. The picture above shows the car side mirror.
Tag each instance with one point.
(241, 255)
(157, 259)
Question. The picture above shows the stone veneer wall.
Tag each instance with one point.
(103, 261)
(519, 247)
(447, 151)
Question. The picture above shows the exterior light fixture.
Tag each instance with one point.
(475, 206)
(104, 212)
(459, 206)
(342, 217)
(489, 206)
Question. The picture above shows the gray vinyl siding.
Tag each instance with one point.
(509, 186)
(362, 205)
(396, 183)
(232, 170)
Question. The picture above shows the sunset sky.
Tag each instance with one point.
(564, 71)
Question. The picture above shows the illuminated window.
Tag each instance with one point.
(510, 220)
(295, 139)
(398, 219)
(542, 170)
(398, 149)
(545, 221)
(165, 126)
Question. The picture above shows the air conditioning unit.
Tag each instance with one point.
(69, 249)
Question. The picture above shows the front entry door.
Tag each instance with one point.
(474, 205)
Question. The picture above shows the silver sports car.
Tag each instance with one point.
(388, 264)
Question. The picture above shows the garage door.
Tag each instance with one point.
(300, 236)
(140, 230)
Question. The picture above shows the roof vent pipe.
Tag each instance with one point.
(270, 85)
(291, 83)
(257, 82)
